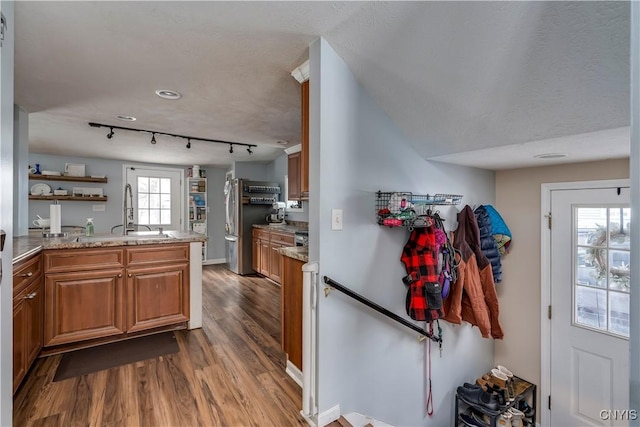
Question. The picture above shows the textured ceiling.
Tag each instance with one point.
(468, 83)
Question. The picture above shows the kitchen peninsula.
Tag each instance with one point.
(76, 291)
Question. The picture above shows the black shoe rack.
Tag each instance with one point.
(524, 390)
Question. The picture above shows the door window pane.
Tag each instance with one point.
(154, 201)
(602, 260)
(619, 313)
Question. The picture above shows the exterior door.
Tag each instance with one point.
(590, 257)
(157, 197)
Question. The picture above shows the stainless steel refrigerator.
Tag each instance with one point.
(246, 203)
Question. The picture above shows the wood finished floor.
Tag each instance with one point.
(229, 373)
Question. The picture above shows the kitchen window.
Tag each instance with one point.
(157, 196)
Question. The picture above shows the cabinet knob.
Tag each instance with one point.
(29, 274)
(32, 295)
(120, 275)
(130, 275)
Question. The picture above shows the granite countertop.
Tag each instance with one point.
(286, 228)
(26, 246)
(301, 253)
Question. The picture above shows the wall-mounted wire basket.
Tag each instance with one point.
(405, 209)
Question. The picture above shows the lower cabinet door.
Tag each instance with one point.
(19, 343)
(83, 305)
(157, 296)
(34, 310)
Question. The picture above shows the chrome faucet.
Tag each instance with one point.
(127, 215)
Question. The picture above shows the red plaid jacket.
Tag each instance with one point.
(420, 258)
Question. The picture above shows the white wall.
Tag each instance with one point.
(634, 340)
(367, 363)
(6, 215)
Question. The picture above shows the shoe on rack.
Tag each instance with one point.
(499, 378)
(516, 417)
(478, 397)
(504, 419)
(482, 419)
(472, 386)
(505, 371)
(528, 411)
(470, 421)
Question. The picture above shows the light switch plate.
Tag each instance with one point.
(336, 219)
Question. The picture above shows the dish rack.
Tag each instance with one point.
(405, 209)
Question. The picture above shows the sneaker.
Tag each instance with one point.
(504, 419)
(516, 417)
(528, 411)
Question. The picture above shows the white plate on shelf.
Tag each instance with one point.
(41, 189)
(51, 173)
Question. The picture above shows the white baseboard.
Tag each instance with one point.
(214, 261)
(328, 416)
(294, 372)
(359, 420)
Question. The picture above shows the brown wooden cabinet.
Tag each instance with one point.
(291, 310)
(304, 153)
(111, 292)
(27, 316)
(266, 259)
(157, 296)
(293, 177)
(298, 163)
(83, 305)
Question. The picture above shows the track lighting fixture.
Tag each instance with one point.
(188, 138)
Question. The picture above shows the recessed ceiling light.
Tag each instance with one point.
(125, 118)
(550, 156)
(282, 142)
(168, 94)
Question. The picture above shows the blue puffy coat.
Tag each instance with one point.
(488, 242)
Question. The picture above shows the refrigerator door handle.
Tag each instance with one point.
(231, 238)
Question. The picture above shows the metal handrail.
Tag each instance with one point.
(335, 285)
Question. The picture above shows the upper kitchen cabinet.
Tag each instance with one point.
(304, 152)
(298, 163)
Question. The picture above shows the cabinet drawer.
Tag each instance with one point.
(83, 260)
(25, 272)
(153, 254)
(285, 239)
(260, 233)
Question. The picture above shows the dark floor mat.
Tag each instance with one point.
(80, 362)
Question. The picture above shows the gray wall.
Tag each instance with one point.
(21, 186)
(367, 363)
(6, 215)
(75, 213)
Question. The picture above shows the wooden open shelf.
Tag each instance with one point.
(66, 178)
(71, 198)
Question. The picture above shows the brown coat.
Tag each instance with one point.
(473, 296)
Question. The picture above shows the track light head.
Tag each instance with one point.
(153, 138)
(110, 134)
(249, 150)
(231, 148)
(189, 143)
